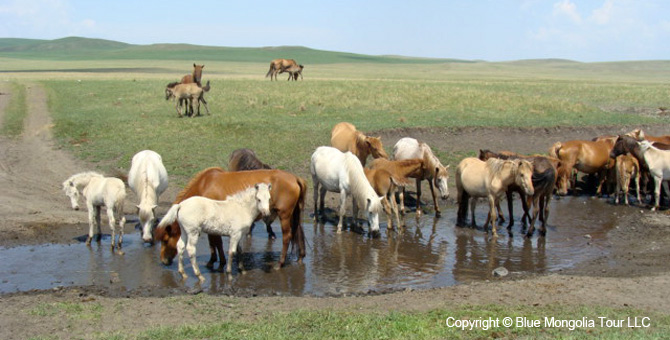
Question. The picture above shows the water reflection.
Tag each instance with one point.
(428, 252)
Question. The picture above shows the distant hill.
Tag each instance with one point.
(77, 48)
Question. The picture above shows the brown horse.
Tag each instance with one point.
(627, 167)
(243, 160)
(585, 156)
(278, 66)
(544, 181)
(194, 77)
(288, 200)
(385, 185)
(345, 137)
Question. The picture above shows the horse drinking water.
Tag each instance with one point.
(231, 217)
(99, 191)
(148, 179)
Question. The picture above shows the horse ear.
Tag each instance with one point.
(269, 186)
(256, 186)
(71, 183)
(193, 64)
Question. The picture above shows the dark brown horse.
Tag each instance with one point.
(544, 181)
(244, 160)
(287, 202)
(194, 77)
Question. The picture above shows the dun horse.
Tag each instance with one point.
(627, 168)
(278, 66)
(148, 179)
(476, 178)
(435, 173)
(231, 217)
(288, 200)
(345, 137)
(187, 94)
(99, 191)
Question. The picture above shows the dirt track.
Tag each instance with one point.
(35, 211)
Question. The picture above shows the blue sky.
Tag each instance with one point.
(594, 30)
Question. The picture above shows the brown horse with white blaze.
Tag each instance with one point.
(582, 155)
(288, 200)
(345, 137)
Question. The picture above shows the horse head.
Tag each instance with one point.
(71, 191)
(168, 236)
(373, 206)
(263, 198)
(376, 148)
(524, 176)
(625, 144)
(440, 180)
(147, 214)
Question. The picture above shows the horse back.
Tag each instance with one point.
(344, 137)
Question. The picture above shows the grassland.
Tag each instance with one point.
(15, 111)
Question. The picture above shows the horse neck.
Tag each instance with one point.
(430, 161)
(505, 172)
(358, 183)
(81, 181)
(147, 194)
(362, 149)
(241, 203)
(409, 168)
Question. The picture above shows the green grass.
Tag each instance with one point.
(15, 112)
(329, 324)
(107, 121)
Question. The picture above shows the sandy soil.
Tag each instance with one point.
(633, 274)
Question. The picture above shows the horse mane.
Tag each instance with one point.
(193, 181)
(245, 159)
(173, 84)
(495, 166)
(242, 195)
(555, 149)
(86, 174)
(358, 182)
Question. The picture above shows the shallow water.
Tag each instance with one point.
(431, 252)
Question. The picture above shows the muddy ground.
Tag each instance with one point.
(632, 274)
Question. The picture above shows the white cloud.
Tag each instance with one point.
(602, 15)
(568, 9)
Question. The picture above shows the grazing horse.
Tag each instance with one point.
(279, 66)
(585, 156)
(435, 173)
(656, 160)
(293, 72)
(186, 94)
(544, 182)
(288, 200)
(345, 137)
(243, 160)
(231, 217)
(194, 77)
(148, 179)
(627, 167)
(99, 191)
(335, 171)
(476, 178)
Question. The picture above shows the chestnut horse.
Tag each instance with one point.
(627, 167)
(544, 181)
(194, 77)
(385, 185)
(288, 200)
(585, 156)
(345, 137)
(243, 160)
(279, 66)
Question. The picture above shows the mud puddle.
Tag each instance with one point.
(430, 252)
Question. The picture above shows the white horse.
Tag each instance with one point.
(148, 179)
(436, 173)
(658, 162)
(340, 172)
(231, 217)
(99, 191)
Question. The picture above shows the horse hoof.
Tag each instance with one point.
(201, 278)
(209, 265)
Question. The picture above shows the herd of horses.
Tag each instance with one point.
(221, 202)
(189, 90)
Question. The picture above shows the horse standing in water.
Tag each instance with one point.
(99, 191)
(148, 179)
(231, 217)
(340, 172)
(585, 156)
(435, 173)
(476, 178)
(345, 137)
(243, 160)
(288, 200)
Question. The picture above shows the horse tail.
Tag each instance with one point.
(296, 219)
(206, 87)
(555, 149)
(271, 69)
(170, 216)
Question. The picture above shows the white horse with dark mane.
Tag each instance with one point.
(231, 217)
(99, 191)
(435, 173)
(340, 172)
(148, 179)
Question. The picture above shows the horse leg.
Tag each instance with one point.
(180, 253)
(343, 209)
(388, 211)
(190, 248)
(112, 224)
(401, 198)
(473, 205)
(394, 208)
(287, 235)
(626, 186)
(418, 198)
(316, 194)
(536, 213)
(637, 184)
(657, 193)
(204, 102)
(268, 227)
(215, 246)
(232, 252)
(91, 221)
(493, 214)
(432, 192)
(98, 212)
